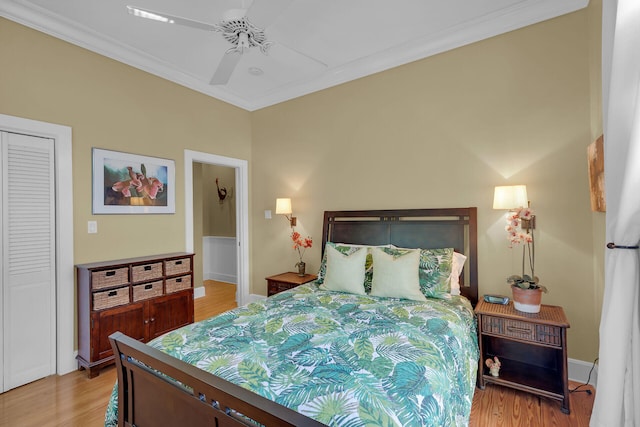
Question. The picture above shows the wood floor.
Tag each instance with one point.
(74, 400)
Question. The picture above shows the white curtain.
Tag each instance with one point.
(617, 400)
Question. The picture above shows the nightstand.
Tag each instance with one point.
(532, 349)
(286, 281)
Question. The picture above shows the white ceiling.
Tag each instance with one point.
(317, 43)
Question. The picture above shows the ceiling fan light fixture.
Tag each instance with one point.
(243, 42)
(148, 15)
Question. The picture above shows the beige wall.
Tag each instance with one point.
(111, 105)
(442, 132)
(219, 218)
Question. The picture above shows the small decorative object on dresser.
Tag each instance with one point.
(142, 297)
(531, 349)
(301, 245)
(286, 281)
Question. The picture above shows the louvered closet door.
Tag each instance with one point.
(28, 259)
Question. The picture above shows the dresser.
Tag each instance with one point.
(141, 297)
(532, 349)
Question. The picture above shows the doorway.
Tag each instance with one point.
(215, 221)
(240, 197)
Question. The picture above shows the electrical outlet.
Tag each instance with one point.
(92, 227)
(267, 214)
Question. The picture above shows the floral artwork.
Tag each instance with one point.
(129, 183)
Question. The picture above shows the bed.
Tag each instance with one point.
(314, 355)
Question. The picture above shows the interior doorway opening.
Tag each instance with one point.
(194, 163)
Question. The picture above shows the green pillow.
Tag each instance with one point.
(435, 270)
(396, 276)
(345, 272)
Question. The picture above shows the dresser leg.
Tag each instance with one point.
(94, 372)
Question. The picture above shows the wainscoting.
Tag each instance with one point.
(219, 258)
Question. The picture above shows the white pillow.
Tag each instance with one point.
(396, 277)
(345, 273)
(456, 271)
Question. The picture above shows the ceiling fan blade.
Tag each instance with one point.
(302, 57)
(263, 13)
(169, 19)
(225, 68)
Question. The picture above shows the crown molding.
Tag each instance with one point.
(524, 13)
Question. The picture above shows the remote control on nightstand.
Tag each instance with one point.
(496, 299)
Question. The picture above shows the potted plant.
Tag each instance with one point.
(525, 288)
(301, 245)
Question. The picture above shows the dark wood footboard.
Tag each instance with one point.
(157, 389)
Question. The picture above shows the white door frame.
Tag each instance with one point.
(65, 301)
(242, 211)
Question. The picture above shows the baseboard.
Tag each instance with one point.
(221, 277)
(70, 365)
(199, 292)
(579, 371)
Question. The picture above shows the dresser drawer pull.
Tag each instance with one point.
(149, 286)
(110, 273)
(179, 280)
(113, 293)
(518, 330)
(147, 267)
(178, 262)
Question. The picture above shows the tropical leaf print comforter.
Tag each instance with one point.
(342, 359)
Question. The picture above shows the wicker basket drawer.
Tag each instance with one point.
(509, 328)
(177, 266)
(111, 298)
(144, 272)
(106, 278)
(147, 290)
(551, 335)
(178, 283)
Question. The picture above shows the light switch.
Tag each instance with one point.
(92, 227)
(267, 214)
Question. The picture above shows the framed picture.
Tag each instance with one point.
(126, 183)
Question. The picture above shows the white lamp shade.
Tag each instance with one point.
(510, 197)
(283, 206)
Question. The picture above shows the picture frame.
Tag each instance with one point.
(125, 183)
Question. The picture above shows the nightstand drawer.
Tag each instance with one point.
(551, 335)
(277, 287)
(526, 331)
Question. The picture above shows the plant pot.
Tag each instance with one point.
(301, 268)
(526, 300)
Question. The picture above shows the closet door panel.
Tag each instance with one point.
(28, 259)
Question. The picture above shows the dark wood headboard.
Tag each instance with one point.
(412, 228)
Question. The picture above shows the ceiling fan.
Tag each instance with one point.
(242, 28)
